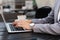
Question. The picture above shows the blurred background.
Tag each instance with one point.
(12, 8)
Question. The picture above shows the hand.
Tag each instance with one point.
(29, 21)
(22, 23)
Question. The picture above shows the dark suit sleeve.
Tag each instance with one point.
(48, 19)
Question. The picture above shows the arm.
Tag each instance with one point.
(48, 19)
(47, 28)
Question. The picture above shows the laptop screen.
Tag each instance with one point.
(10, 17)
(16, 14)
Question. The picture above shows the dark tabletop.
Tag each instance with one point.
(4, 35)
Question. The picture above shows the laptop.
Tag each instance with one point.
(10, 28)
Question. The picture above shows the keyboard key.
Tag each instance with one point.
(19, 28)
(14, 28)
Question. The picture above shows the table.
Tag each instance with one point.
(4, 35)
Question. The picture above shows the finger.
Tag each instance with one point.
(18, 25)
(29, 21)
(14, 23)
(16, 20)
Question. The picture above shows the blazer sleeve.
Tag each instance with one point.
(48, 19)
(47, 28)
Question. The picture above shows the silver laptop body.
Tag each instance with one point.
(8, 27)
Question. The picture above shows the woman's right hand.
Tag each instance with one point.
(20, 21)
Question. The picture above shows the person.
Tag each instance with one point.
(49, 25)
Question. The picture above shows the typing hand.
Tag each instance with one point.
(22, 23)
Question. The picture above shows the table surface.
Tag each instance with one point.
(4, 35)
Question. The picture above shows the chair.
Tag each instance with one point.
(42, 12)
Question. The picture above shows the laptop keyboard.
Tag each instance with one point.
(14, 28)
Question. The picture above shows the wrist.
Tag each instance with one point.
(32, 25)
